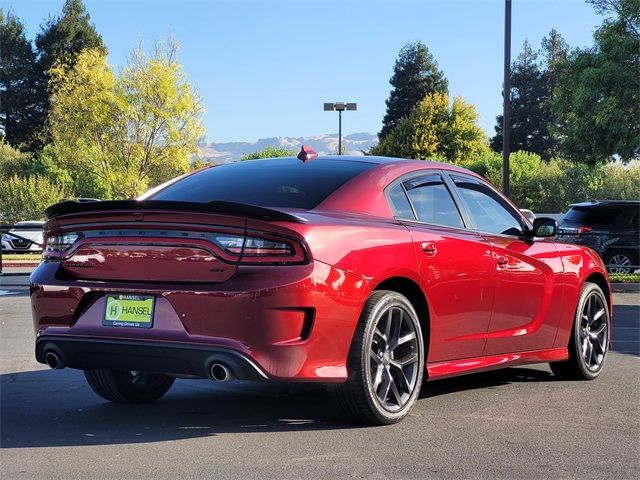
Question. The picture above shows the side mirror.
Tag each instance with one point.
(545, 227)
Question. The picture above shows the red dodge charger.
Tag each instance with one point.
(372, 274)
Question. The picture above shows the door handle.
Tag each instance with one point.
(429, 248)
(502, 260)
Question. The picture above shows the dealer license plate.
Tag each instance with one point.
(129, 311)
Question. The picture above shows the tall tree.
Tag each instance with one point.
(119, 134)
(597, 98)
(437, 130)
(415, 75)
(555, 51)
(60, 42)
(16, 81)
(529, 92)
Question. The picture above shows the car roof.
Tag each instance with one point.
(387, 160)
(603, 203)
(364, 194)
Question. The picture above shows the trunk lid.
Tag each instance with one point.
(151, 241)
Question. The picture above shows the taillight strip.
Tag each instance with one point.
(242, 251)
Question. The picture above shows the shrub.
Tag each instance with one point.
(26, 198)
(269, 152)
(550, 187)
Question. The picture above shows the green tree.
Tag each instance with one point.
(555, 51)
(436, 130)
(415, 75)
(620, 181)
(13, 161)
(551, 186)
(269, 152)
(59, 43)
(17, 61)
(25, 198)
(119, 134)
(529, 117)
(597, 98)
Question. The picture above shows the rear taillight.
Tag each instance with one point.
(56, 244)
(261, 250)
(255, 248)
(581, 230)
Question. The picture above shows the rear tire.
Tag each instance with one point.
(620, 261)
(590, 337)
(128, 387)
(385, 363)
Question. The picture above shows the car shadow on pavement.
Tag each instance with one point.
(490, 379)
(56, 408)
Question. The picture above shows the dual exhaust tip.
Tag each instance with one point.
(217, 371)
(53, 360)
(220, 372)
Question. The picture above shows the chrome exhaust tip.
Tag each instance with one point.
(219, 372)
(53, 360)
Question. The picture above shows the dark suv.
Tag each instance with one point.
(610, 227)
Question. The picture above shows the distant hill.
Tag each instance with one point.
(322, 144)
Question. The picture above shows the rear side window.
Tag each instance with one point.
(430, 199)
(400, 203)
(284, 182)
(592, 215)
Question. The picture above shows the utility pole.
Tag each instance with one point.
(506, 113)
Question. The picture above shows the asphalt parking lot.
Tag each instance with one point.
(516, 423)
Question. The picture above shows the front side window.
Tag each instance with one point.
(490, 212)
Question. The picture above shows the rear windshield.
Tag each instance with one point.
(592, 215)
(280, 182)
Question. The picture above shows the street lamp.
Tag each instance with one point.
(340, 107)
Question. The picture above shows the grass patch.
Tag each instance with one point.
(27, 257)
(624, 277)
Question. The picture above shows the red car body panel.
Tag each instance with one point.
(492, 300)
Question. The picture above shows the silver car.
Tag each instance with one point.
(28, 237)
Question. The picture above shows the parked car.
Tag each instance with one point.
(528, 214)
(24, 237)
(610, 227)
(370, 274)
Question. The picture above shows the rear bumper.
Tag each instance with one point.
(294, 323)
(166, 358)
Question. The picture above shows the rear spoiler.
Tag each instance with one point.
(231, 208)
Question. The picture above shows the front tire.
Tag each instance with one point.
(590, 337)
(128, 386)
(386, 361)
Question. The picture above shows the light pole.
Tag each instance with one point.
(340, 107)
(506, 112)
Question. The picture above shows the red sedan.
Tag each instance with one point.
(369, 273)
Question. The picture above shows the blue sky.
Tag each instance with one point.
(265, 67)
